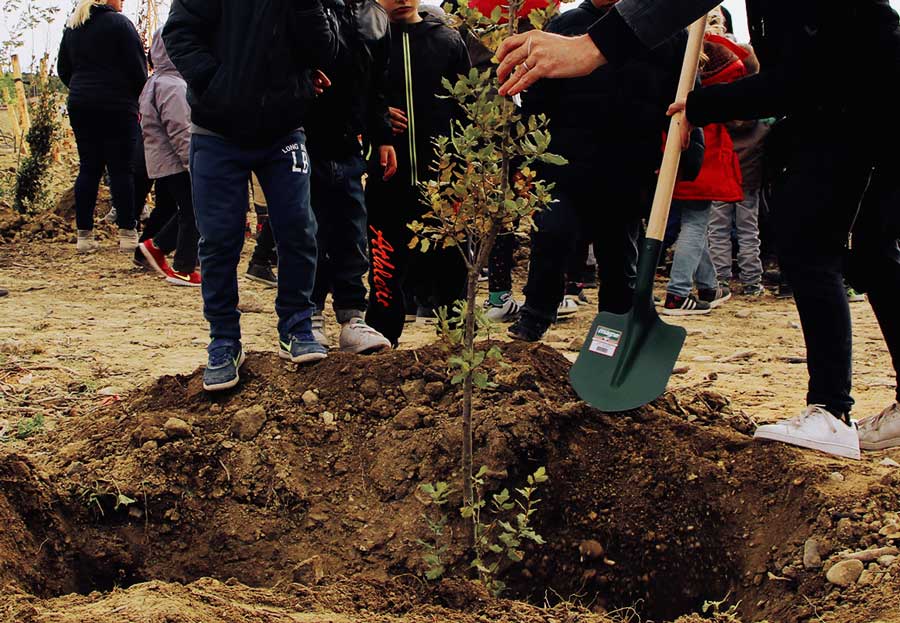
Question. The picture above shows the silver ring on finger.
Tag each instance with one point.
(525, 65)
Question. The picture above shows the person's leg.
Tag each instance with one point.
(550, 247)
(721, 218)
(500, 264)
(690, 249)
(283, 172)
(162, 213)
(389, 238)
(120, 144)
(323, 195)
(747, 223)
(219, 172)
(179, 186)
(142, 182)
(615, 239)
(91, 163)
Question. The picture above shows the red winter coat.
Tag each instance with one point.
(720, 178)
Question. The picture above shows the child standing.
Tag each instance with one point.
(424, 51)
(719, 180)
(166, 127)
(741, 216)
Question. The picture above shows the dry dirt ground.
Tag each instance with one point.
(260, 505)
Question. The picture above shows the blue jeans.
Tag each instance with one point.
(692, 262)
(219, 171)
(338, 201)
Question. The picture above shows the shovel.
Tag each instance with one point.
(627, 359)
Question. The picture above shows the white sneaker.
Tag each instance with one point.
(567, 308)
(507, 311)
(128, 240)
(814, 428)
(358, 337)
(86, 242)
(318, 330)
(882, 431)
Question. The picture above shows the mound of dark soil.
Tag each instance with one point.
(304, 476)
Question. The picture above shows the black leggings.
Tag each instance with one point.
(106, 139)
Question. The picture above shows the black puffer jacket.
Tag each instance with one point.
(611, 122)
(103, 62)
(248, 64)
(817, 57)
(356, 103)
(421, 56)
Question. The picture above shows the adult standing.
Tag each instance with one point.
(824, 65)
(249, 68)
(102, 62)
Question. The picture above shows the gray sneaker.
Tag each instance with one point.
(318, 330)
(882, 431)
(128, 240)
(358, 337)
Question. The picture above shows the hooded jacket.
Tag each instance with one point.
(356, 103)
(248, 64)
(165, 116)
(422, 55)
(102, 62)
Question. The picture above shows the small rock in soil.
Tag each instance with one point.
(327, 417)
(836, 476)
(176, 428)
(845, 528)
(407, 419)
(369, 388)
(590, 549)
(886, 561)
(434, 390)
(309, 398)
(888, 462)
(868, 555)
(248, 422)
(812, 559)
(743, 313)
(845, 573)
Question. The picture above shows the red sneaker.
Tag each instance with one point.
(155, 258)
(183, 279)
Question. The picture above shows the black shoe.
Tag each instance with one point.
(263, 274)
(784, 291)
(714, 296)
(528, 329)
(3, 293)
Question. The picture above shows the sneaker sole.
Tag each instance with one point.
(265, 282)
(887, 444)
(822, 446)
(228, 384)
(175, 281)
(369, 350)
(521, 338)
(717, 302)
(151, 261)
(567, 313)
(685, 312)
(308, 358)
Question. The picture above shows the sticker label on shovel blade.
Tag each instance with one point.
(605, 341)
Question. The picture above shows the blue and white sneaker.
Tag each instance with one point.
(301, 348)
(225, 360)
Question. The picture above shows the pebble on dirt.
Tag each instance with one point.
(176, 428)
(812, 559)
(845, 572)
(590, 549)
(309, 398)
(248, 422)
(408, 418)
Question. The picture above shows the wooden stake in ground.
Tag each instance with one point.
(13, 122)
(21, 99)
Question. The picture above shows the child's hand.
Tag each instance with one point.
(388, 156)
(680, 108)
(320, 82)
(399, 121)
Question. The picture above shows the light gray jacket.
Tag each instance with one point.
(165, 116)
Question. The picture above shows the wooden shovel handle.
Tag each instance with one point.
(668, 172)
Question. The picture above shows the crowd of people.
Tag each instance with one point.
(320, 116)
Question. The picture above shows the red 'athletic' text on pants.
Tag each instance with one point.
(382, 268)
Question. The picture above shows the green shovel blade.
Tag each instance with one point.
(627, 359)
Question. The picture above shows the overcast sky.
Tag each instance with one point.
(46, 38)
